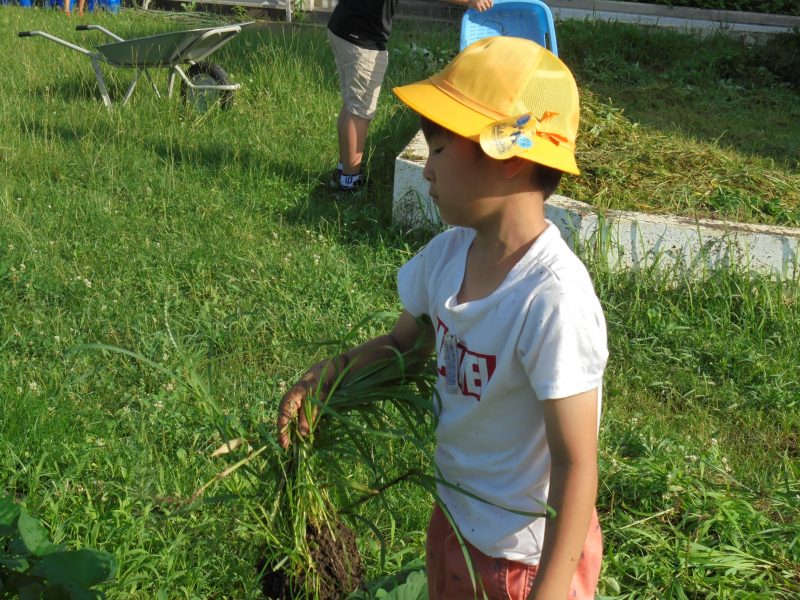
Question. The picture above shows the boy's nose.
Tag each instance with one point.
(427, 172)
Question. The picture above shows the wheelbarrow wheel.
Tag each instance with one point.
(205, 73)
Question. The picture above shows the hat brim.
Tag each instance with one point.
(432, 103)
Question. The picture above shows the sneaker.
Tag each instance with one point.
(351, 183)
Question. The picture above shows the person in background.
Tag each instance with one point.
(67, 4)
(358, 31)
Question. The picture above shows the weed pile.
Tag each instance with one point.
(676, 124)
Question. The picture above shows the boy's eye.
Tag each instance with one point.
(437, 149)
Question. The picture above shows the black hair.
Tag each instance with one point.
(429, 128)
(543, 178)
(546, 179)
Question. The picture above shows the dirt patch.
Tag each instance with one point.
(339, 568)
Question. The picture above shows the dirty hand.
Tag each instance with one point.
(292, 405)
(480, 5)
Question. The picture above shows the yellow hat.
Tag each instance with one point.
(509, 94)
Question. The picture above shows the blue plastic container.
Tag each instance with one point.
(529, 19)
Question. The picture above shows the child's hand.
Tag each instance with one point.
(480, 5)
(292, 406)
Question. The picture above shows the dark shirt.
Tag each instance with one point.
(365, 23)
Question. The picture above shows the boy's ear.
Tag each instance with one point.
(511, 167)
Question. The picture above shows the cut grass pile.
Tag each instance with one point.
(673, 123)
(211, 245)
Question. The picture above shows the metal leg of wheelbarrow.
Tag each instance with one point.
(101, 82)
(152, 83)
(132, 86)
(180, 72)
(170, 82)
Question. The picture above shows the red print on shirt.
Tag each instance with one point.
(475, 370)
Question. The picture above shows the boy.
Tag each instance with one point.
(358, 31)
(519, 332)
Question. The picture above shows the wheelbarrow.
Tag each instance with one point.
(203, 84)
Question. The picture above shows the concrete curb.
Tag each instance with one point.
(679, 12)
(610, 10)
(697, 21)
(628, 239)
(748, 24)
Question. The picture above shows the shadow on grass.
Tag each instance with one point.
(84, 86)
(362, 217)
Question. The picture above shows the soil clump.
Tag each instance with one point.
(338, 565)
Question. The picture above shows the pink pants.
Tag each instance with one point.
(500, 578)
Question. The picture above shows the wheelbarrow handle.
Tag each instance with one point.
(53, 38)
(100, 29)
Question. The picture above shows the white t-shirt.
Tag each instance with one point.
(540, 335)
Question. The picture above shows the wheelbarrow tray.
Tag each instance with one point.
(167, 49)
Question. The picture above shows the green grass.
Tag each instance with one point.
(210, 245)
(699, 448)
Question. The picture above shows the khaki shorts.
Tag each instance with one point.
(361, 74)
(500, 578)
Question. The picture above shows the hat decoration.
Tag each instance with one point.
(514, 135)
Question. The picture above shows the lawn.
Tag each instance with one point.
(211, 246)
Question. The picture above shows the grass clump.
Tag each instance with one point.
(309, 551)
